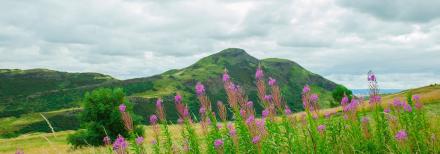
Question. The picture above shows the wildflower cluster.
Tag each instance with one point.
(396, 127)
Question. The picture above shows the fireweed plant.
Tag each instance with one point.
(400, 126)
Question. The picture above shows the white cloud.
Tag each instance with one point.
(134, 38)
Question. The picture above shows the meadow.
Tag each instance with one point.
(407, 122)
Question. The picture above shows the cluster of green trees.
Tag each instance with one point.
(101, 117)
(338, 93)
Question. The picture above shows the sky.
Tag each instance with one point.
(339, 39)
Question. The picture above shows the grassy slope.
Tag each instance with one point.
(36, 143)
(64, 119)
(143, 91)
(36, 90)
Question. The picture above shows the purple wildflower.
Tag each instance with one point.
(401, 135)
(265, 113)
(218, 143)
(352, 106)
(371, 77)
(158, 103)
(259, 123)
(178, 98)
(185, 112)
(416, 98)
(153, 119)
(226, 77)
(272, 81)
(122, 107)
(120, 143)
(230, 125)
(233, 87)
(417, 104)
(250, 119)
(407, 107)
(107, 140)
(287, 111)
(397, 103)
(387, 110)
(139, 140)
(344, 100)
(321, 128)
(314, 97)
(200, 89)
(202, 110)
(268, 98)
(256, 139)
(375, 98)
(232, 132)
(259, 73)
(306, 89)
(242, 112)
(250, 104)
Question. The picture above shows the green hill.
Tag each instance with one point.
(241, 66)
(23, 92)
(35, 90)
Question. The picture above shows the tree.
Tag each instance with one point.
(101, 117)
(338, 93)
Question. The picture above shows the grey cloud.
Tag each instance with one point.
(402, 10)
(136, 38)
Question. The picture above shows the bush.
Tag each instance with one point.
(338, 93)
(101, 117)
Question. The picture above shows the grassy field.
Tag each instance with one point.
(39, 143)
(56, 142)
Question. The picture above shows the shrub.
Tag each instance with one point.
(338, 93)
(101, 117)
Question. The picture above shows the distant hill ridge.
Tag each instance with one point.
(40, 90)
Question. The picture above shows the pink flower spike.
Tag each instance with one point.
(158, 103)
(287, 111)
(256, 139)
(200, 89)
(107, 140)
(306, 89)
(321, 128)
(272, 81)
(265, 113)
(259, 74)
(178, 98)
(218, 143)
(122, 107)
(250, 119)
(139, 140)
(250, 104)
(401, 135)
(226, 76)
(153, 119)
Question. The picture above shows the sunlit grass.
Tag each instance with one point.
(37, 143)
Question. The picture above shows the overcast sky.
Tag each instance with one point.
(338, 39)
